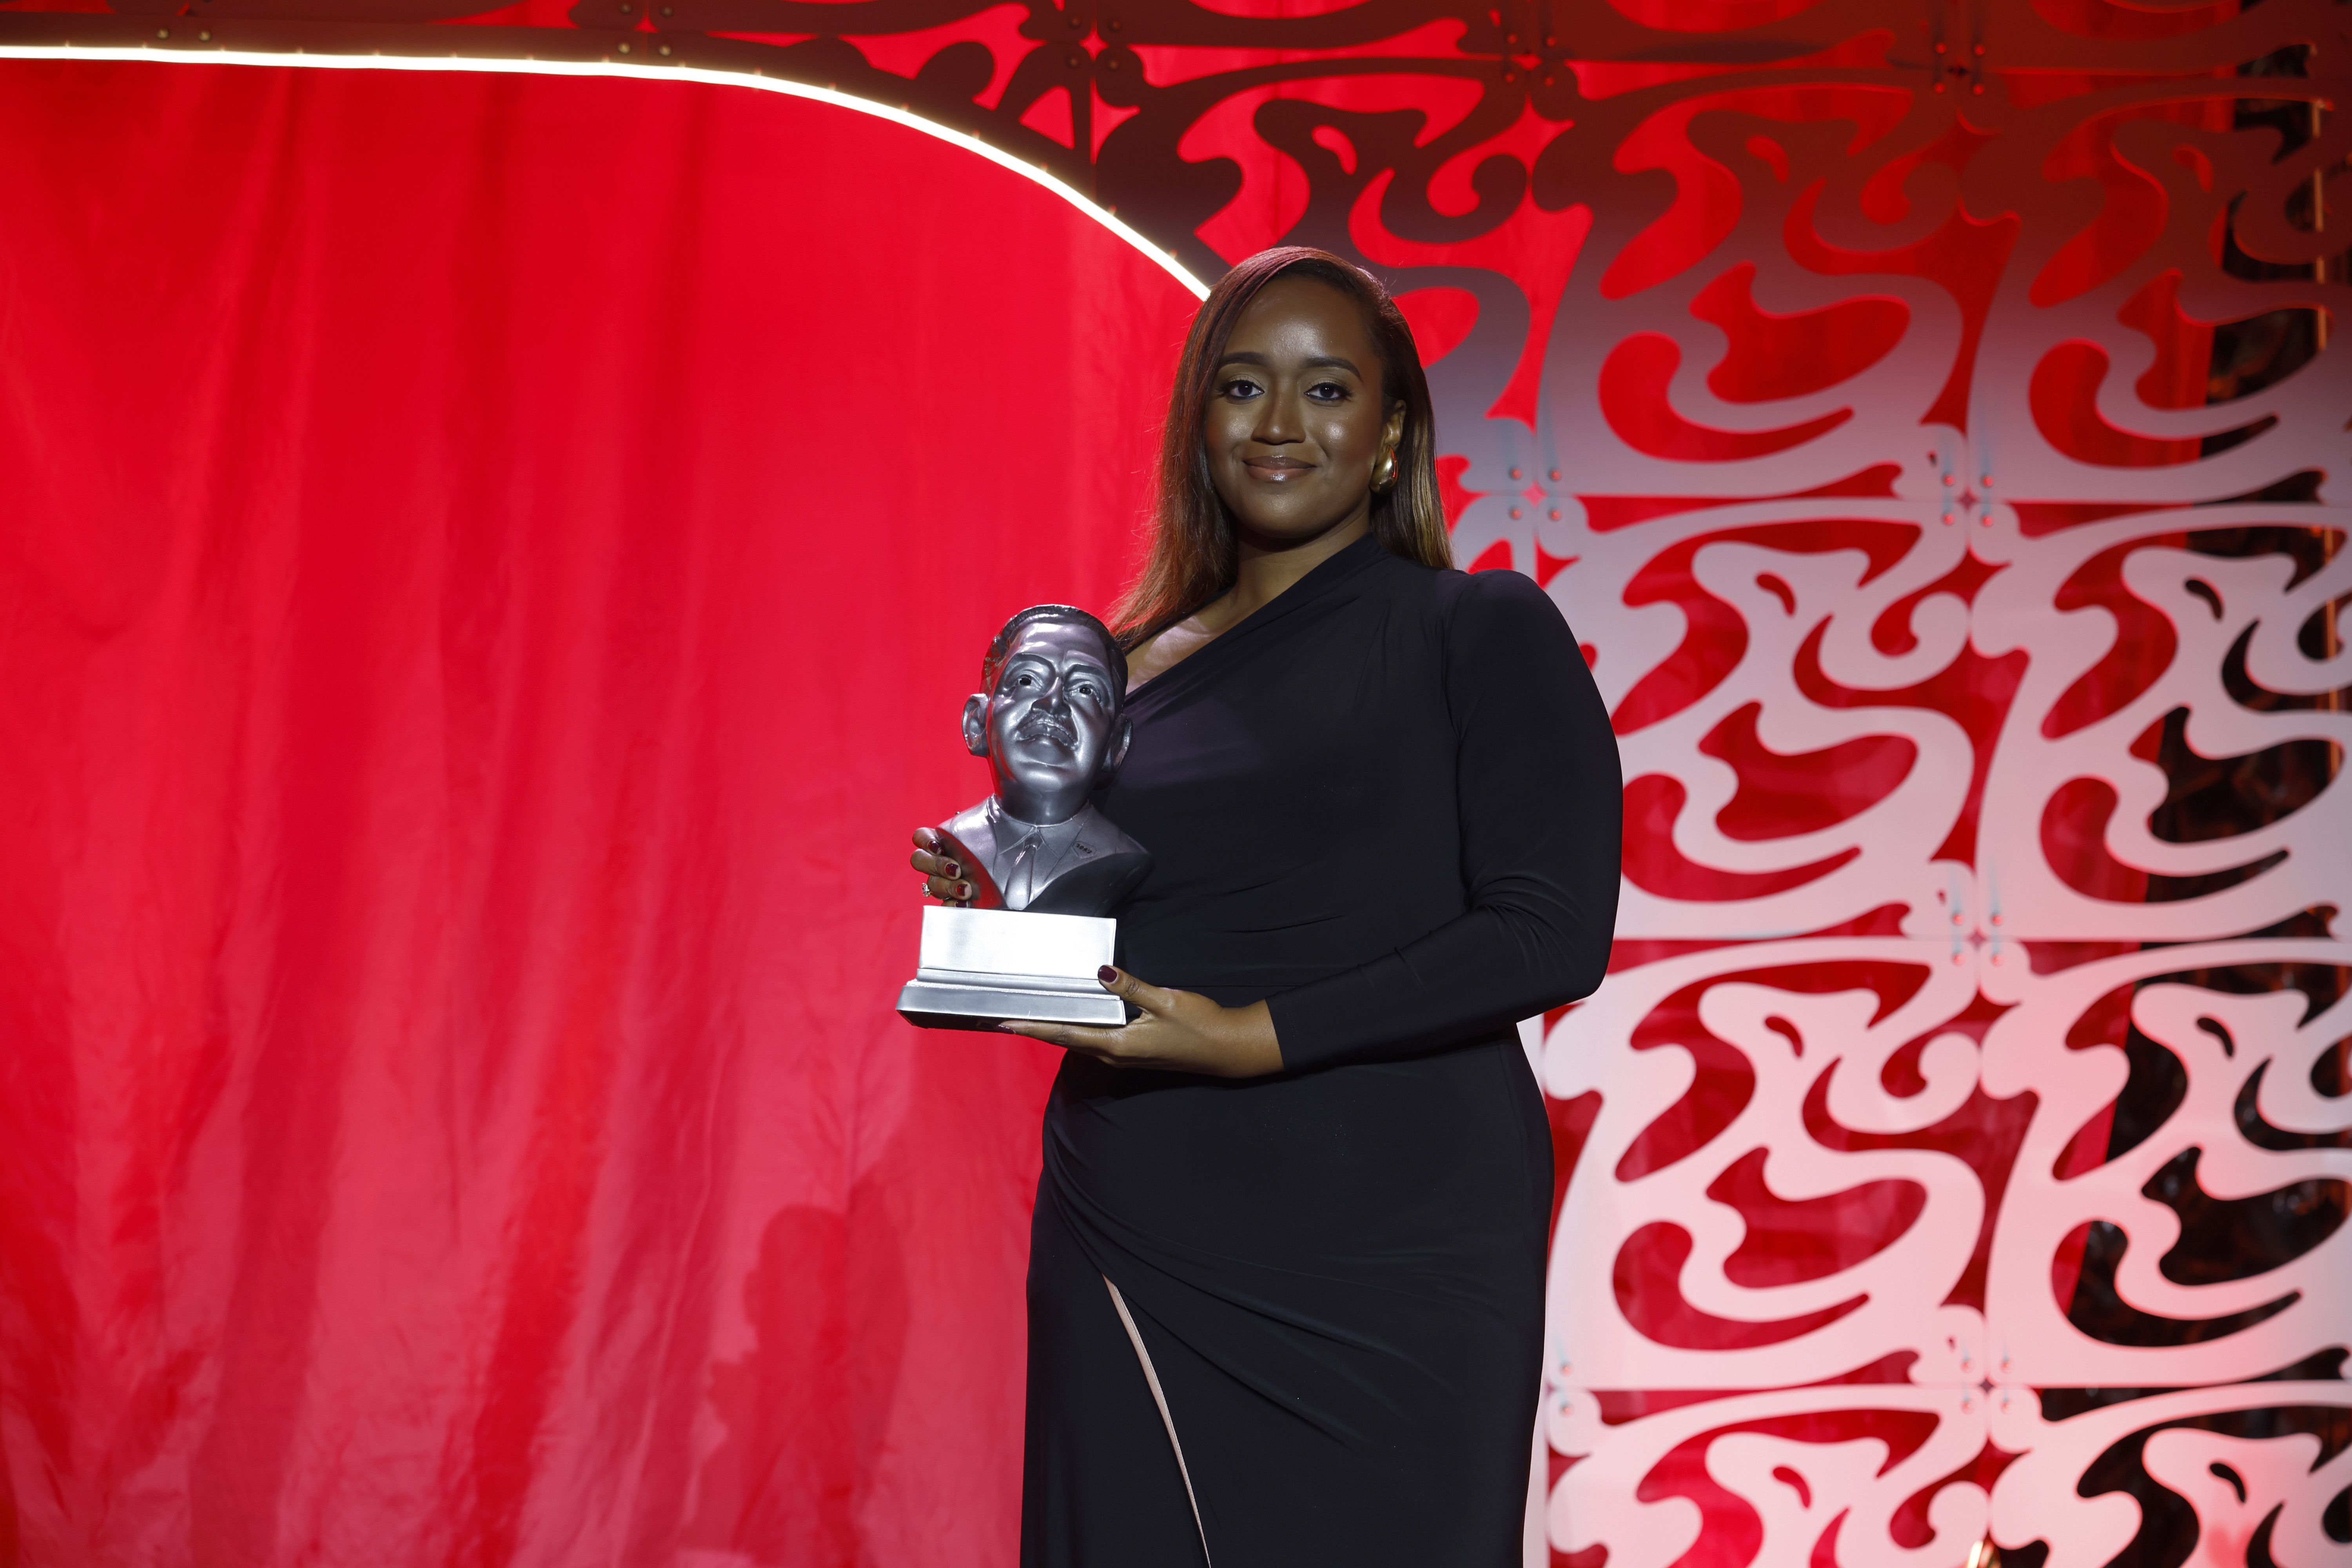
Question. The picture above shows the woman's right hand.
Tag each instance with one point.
(945, 877)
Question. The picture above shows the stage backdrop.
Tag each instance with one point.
(492, 560)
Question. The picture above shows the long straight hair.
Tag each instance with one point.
(1195, 551)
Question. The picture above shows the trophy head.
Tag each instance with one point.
(1050, 723)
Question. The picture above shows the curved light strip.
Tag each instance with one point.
(1031, 172)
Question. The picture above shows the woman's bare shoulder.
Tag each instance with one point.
(1163, 651)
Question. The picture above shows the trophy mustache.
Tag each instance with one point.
(1042, 725)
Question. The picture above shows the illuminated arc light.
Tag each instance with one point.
(837, 99)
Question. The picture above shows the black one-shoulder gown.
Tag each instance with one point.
(1389, 802)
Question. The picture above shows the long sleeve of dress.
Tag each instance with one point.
(1541, 804)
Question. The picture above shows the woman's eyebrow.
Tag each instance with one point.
(1323, 361)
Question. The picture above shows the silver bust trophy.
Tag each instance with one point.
(1044, 865)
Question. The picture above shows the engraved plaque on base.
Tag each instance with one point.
(980, 967)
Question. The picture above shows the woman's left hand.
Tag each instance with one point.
(1180, 1031)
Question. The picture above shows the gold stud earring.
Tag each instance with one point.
(1384, 478)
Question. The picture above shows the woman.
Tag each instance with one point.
(1285, 1286)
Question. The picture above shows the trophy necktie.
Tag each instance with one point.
(1020, 870)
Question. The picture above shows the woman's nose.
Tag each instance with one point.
(1276, 421)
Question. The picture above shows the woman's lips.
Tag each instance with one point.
(1277, 470)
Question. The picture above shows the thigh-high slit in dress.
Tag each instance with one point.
(1298, 1320)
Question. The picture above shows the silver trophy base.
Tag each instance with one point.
(930, 1006)
(979, 968)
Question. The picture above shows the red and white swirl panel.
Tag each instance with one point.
(1947, 487)
(2207, 1244)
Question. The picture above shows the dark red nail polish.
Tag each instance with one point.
(1105, 974)
(953, 869)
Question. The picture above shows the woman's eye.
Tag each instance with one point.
(1327, 392)
(1241, 389)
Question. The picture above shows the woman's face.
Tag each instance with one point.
(1295, 425)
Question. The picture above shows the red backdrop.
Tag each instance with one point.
(478, 632)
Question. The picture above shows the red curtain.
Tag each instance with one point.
(490, 567)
